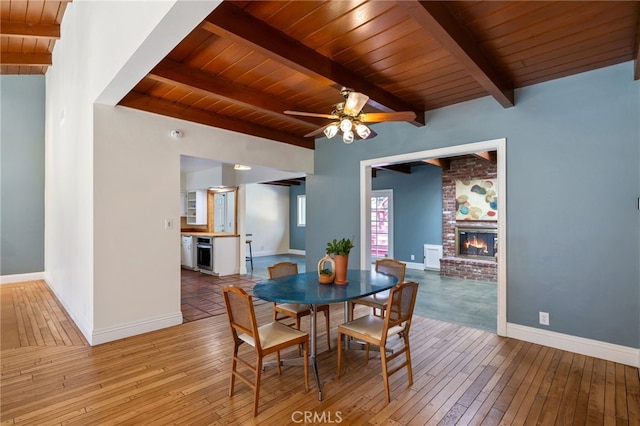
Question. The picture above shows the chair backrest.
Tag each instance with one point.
(283, 269)
(242, 317)
(392, 267)
(402, 299)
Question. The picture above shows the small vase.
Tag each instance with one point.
(341, 268)
(326, 278)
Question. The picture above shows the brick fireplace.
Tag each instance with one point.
(474, 264)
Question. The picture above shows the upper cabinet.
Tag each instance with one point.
(197, 207)
(183, 204)
(224, 212)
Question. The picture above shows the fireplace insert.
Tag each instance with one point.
(476, 242)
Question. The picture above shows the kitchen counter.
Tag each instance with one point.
(220, 252)
(208, 234)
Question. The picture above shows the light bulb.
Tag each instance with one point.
(331, 131)
(347, 137)
(362, 130)
(345, 125)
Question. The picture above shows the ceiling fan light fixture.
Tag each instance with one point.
(346, 125)
(331, 130)
(354, 103)
(347, 137)
(362, 130)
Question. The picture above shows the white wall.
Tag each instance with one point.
(203, 179)
(267, 218)
(113, 174)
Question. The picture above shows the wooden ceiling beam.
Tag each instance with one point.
(437, 21)
(175, 73)
(491, 156)
(283, 182)
(171, 109)
(231, 22)
(29, 30)
(26, 59)
(444, 163)
(400, 168)
(636, 54)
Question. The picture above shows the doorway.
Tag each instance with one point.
(498, 145)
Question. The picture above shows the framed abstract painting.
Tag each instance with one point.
(477, 199)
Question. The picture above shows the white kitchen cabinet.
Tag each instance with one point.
(225, 255)
(183, 204)
(187, 253)
(197, 207)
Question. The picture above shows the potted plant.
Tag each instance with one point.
(340, 250)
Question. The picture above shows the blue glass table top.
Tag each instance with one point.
(305, 288)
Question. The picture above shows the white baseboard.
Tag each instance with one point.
(298, 252)
(18, 278)
(594, 348)
(415, 265)
(132, 329)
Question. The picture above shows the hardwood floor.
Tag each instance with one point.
(180, 375)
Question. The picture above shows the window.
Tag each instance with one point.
(381, 224)
(302, 210)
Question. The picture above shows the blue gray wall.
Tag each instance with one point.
(417, 209)
(296, 233)
(22, 102)
(573, 178)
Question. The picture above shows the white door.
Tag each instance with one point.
(381, 224)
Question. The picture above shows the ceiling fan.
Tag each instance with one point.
(348, 117)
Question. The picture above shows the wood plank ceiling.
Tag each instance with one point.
(28, 32)
(249, 61)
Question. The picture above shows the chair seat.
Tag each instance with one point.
(297, 308)
(273, 334)
(371, 326)
(380, 298)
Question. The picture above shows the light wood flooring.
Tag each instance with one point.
(180, 375)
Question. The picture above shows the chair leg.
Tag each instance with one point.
(256, 389)
(339, 353)
(408, 355)
(250, 257)
(279, 366)
(234, 364)
(385, 374)
(305, 354)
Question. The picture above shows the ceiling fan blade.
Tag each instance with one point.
(312, 114)
(377, 117)
(318, 131)
(354, 103)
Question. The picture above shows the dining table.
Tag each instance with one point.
(304, 288)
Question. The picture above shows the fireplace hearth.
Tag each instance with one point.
(476, 242)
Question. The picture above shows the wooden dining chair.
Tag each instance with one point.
(294, 310)
(266, 339)
(374, 330)
(378, 301)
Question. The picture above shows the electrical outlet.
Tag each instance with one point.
(544, 318)
(413, 257)
(168, 224)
